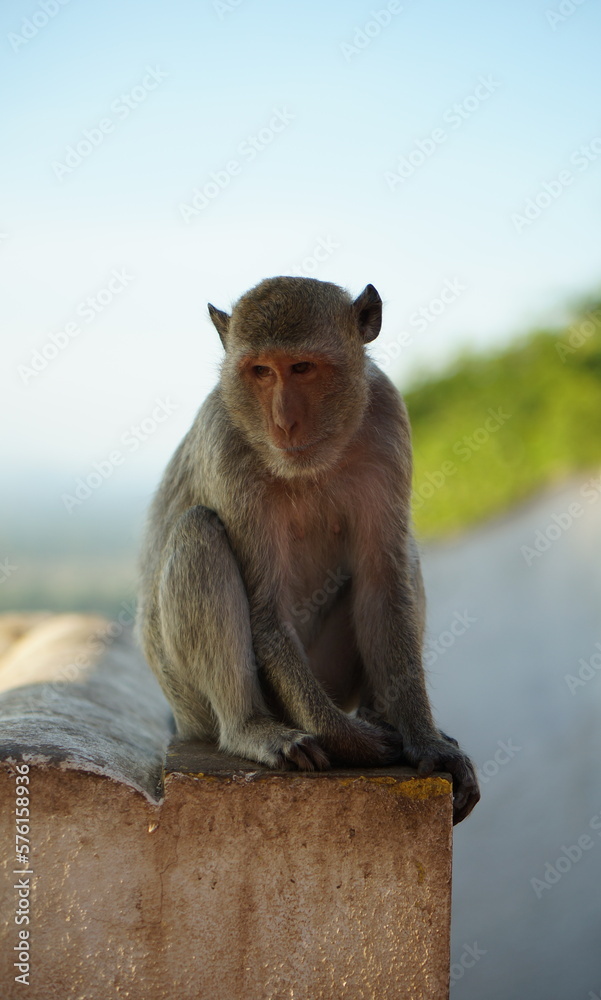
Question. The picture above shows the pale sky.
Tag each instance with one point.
(299, 117)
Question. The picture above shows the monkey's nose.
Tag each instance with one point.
(287, 427)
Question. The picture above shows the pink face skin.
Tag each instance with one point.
(289, 390)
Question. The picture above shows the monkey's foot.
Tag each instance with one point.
(276, 746)
(355, 742)
(445, 754)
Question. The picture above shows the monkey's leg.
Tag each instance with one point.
(209, 672)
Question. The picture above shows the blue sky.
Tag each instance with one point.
(181, 89)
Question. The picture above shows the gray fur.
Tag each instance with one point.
(281, 586)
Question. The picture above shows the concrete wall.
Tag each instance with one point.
(210, 877)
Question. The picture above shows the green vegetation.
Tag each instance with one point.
(497, 427)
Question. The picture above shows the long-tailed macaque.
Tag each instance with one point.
(282, 605)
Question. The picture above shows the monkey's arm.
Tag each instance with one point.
(286, 674)
(389, 603)
(388, 627)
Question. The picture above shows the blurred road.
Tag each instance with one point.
(506, 625)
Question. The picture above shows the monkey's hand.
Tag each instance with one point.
(263, 739)
(359, 742)
(444, 754)
(299, 751)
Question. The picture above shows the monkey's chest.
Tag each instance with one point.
(317, 568)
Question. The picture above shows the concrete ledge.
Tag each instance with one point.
(218, 879)
(74, 691)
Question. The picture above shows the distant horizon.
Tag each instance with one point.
(385, 350)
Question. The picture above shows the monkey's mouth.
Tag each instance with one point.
(296, 449)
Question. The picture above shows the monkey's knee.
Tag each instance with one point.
(200, 570)
(199, 527)
(205, 620)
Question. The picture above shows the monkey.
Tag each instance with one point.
(281, 603)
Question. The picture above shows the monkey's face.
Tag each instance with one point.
(300, 408)
(294, 376)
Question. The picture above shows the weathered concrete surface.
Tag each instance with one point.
(74, 689)
(238, 883)
(310, 886)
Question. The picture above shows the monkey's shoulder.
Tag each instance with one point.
(384, 395)
(214, 459)
(386, 431)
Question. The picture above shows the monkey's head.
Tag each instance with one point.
(294, 375)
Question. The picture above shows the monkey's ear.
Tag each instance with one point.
(368, 311)
(221, 321)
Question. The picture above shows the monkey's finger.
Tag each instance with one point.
(307, 755)
(465, 787)
(460, 801)
(392, 747)
(449, 739)
(295, 756)
(465, 807)
(281, 763)
(321, 761)
(426, 766)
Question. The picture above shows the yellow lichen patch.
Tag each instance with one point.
(423, 788)
(411, 788)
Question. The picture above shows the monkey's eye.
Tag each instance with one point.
(302, 366)
(262, 371)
